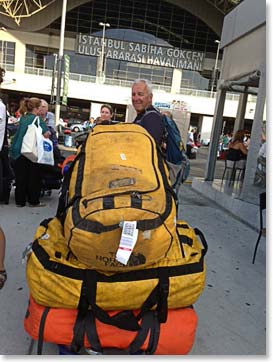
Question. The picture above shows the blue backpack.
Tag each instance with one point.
(174, 152)
(173, 140)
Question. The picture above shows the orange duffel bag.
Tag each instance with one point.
(69, 327)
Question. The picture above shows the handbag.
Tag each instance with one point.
(29, 145)
(45, 150)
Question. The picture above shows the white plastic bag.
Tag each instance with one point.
(45, 151)
(29, 145)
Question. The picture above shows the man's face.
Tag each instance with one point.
(43, 109)
(140, 97)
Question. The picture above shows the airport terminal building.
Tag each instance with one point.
(109, 43)
(200, 56)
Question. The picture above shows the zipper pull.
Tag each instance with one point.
(137, 195)
(141, 197)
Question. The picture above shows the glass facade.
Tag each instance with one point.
(40, 57)
(152, 21)
(165, 21)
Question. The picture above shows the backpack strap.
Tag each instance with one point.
(150, 324)
(157, 112)
(41, 331)
(63, 203)
(85, 323)
(91, 331)
(124, 319)
(158, 297)
(203, 240)
(154, 334)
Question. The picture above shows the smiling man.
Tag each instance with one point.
(147, 115)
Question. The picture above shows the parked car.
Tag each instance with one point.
(77, 127)
(205, 142)
(71, 121)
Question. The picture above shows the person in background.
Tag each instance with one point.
(47, 116)
(3, 125)
(3, 115)
(147, 115)
(236, 148)
(50, 174)
(3, 273)
(17, 113)
(226, 140)
(7, 174)
(106, 114)
(190, 143)
(91, 122)
(97, 121)
(27, 173)
(195, 136)
(247, 139)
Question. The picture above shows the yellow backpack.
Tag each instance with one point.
(56, 279)
(117, 205)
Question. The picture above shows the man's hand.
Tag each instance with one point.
(47, 134)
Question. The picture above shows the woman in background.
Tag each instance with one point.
(27, 173)
(236, 148)
(106, 113)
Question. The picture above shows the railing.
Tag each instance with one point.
(7, 67)
(38, 71)
(125, 83)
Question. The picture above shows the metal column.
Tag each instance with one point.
(241, 110)
(255, 140)
(215, 134)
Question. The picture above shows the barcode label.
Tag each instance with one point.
(128, 229)
(127, 241)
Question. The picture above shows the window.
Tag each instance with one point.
(7, 55)
(40, 57)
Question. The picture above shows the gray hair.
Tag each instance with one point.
(146, 82)
(44, 101)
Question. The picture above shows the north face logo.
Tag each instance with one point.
(135, 259)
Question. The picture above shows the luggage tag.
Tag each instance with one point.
(28, 249)
(26, 252)
(127, 241)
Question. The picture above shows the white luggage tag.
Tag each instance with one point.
(127, 241)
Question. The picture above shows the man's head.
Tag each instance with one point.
(142, 94)
(43, 108)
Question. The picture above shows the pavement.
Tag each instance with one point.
(231, 309)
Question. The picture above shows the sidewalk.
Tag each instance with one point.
(231, 310)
